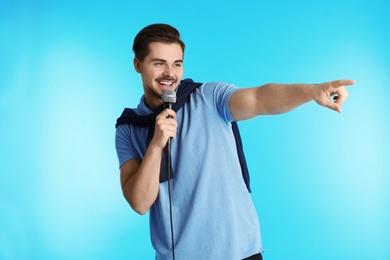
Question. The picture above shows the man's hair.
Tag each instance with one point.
(155, 33)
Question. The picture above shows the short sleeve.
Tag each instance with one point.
(219, 94)
(124, 147)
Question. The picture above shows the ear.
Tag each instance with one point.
(137, 65)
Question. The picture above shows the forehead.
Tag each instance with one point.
(165, 51)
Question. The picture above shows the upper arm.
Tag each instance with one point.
(127, 170)
(243, 104)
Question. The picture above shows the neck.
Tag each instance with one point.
(152, 102)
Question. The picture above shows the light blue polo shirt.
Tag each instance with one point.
(213, 213)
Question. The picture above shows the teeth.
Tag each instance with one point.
(166, 82)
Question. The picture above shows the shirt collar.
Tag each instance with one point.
(142, 108)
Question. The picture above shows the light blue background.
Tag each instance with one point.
(320, 179)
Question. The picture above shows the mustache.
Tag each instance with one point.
(167, 78)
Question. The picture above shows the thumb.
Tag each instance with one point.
(333, 105)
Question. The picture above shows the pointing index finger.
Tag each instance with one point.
(344, 82)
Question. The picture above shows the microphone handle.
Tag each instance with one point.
(168, 105)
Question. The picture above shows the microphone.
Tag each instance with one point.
(169, 98)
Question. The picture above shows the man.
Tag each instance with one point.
(212, 211)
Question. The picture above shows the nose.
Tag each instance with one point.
(168, 71)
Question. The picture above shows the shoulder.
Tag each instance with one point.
(217, 84)
(123, 133)
(218, 90)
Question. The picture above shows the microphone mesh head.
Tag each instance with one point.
(169, 96)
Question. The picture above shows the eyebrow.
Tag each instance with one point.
(162, 60)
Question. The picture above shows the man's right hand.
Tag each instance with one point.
(166, 127)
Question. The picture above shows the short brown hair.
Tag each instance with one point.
(155, 33)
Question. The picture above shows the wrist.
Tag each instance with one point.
(312, 90)
(155, 146)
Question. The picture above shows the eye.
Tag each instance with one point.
(158, 63)
(178, 65)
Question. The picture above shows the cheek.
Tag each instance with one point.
(179, 72)
(148, 75)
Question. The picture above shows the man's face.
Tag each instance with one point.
(162, 69)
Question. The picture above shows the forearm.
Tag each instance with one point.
(141, 190)
(280, 98)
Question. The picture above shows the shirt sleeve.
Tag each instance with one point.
(219, 93)
(124, 147)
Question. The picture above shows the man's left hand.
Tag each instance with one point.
(335, 89)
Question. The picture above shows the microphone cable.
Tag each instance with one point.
(168, 98)
(169, 196)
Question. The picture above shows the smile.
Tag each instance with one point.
(167, 83)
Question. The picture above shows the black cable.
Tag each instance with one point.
(169, 195)
(169, 98)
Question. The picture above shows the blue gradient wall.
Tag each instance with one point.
(320, 179)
